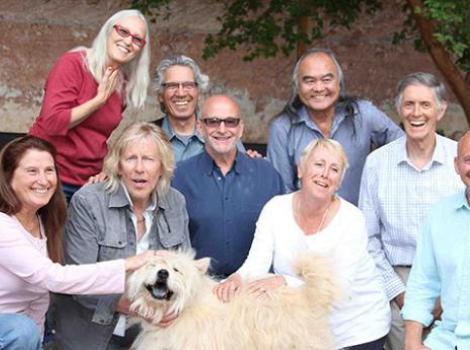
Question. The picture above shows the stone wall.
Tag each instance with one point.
(33, 33)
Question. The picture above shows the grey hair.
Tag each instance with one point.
(136, 71)
(425, 79)
(202, 80)
(314, 51)
(329, 144)
(132, 133)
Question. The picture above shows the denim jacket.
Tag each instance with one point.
(100, 228)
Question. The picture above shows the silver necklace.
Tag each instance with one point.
(322, 218)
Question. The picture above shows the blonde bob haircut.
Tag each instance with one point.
(132, 133)
(330, 145)
(136, 71)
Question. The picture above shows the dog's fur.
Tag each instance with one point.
(287, 318)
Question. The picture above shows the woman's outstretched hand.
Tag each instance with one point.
(132, 263)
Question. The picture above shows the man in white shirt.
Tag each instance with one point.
(400, 182)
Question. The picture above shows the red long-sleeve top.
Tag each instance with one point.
(81, 149)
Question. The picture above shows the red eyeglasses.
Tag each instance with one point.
(125, 33)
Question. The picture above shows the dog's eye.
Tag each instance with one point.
(175, 269)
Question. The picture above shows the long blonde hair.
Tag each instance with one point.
(132, 133)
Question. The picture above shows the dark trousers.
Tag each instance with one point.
(373, 345)
(69, 190)
(122, 343)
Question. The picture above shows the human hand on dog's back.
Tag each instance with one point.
(262, 286)
(228, 288)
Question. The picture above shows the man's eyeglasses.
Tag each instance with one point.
(125, 33)
(172, 86)
(214, 122)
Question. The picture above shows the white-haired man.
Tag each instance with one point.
(399, 184)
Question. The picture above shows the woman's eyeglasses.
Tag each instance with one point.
(125, 33)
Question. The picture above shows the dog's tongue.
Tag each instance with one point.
(159, 293)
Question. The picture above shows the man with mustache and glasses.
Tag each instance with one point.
(225, 189)
(320, 108)
(400, 182)
(441, 269)
(179, 80)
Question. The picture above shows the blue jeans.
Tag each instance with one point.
(69, 190)
(18, 332)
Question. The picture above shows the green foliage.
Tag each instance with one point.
(452, 20)
(267, 27)
(153, 8)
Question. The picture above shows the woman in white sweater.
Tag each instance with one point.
(316, 219)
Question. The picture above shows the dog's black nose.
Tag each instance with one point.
(162, 274)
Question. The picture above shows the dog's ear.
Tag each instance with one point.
(203, 264)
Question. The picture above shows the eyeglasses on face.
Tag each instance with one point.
(125, 33)
(172, 86)
(214, 122)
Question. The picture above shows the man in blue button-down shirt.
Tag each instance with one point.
(178, 80)
(442, 269)
(320, 108)
(225, 190)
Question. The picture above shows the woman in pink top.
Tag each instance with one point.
(87, 91)
(32, 213)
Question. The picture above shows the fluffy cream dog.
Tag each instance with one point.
(287, 318)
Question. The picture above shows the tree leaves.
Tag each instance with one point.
(265, 28)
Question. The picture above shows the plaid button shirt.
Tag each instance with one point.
(395, 197)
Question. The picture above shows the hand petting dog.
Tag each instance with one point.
(263, 286)
(228, 288)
